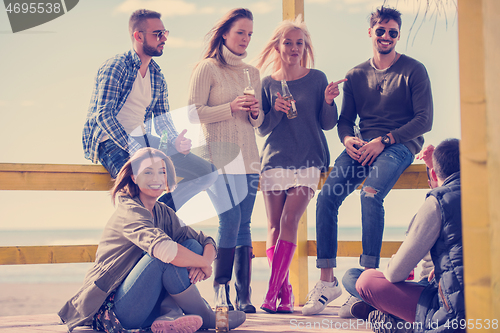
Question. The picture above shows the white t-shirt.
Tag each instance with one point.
(131, 116)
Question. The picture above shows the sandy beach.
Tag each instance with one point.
(44, 298)
(50, 293)
(30, 298)
(27, 307)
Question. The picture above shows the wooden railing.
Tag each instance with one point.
(68, 177)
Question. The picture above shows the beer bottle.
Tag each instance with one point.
(164, 142)
(221, 310)
(287, 96)
(248, 84)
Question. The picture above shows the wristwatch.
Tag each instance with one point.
(386, 140)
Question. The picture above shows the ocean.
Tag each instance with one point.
(75, 272)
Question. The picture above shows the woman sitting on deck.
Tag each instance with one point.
(147, 261)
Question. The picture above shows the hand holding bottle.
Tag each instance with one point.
(287, 96)
(247, 102)
(352, 146)
(282, 105)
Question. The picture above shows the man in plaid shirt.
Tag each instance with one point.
(130, 94)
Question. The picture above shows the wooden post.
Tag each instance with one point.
(299, 267)
(480, 157)
(292, 8)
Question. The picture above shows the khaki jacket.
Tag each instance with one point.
(129, 233)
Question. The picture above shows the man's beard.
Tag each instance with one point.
(151, 51)
(385, 51)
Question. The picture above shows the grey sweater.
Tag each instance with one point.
(298, 142)
(403, 107)
(423, 232)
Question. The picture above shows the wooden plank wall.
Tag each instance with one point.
(23, 255)
(71, 177)
(67, 177)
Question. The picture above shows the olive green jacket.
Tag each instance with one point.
(129, 233)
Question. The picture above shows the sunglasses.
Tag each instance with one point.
(380, 32)
(160, 34)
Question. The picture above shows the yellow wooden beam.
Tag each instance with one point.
(355, 248)
(292, 8)
(21, 255)
(414, 177)
(54, 177)
(299, 267)
(491, 16)
(67, 177)
(56, 168)
(75, 177)
(259, 248)
(478, 32)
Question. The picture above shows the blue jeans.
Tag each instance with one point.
(351, 277)
(346, 175)
(233, 197)
(138, 298)
(197, 174)
(349, 281)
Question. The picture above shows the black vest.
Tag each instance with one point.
(442, 302)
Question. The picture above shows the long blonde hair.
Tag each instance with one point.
(270, 55)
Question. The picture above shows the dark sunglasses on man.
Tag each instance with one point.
(160, 34)
(380, 32)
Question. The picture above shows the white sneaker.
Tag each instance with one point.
(345, 309)
(319, 297)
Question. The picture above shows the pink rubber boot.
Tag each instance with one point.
(288, 300)
(283, 254)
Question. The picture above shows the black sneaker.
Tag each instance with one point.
(360, 310)
(384, 323)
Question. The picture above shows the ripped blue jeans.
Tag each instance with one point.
(346, 175)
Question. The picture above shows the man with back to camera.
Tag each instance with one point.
(437, 227)
(391, 95)
(426, 235)
(130, 93)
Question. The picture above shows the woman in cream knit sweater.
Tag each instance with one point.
(228, 118)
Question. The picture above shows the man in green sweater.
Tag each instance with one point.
(391, 95)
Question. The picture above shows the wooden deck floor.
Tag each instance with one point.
(327, 321)
(29, 302)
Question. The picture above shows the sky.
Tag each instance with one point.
(47, 75)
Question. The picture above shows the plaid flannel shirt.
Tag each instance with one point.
(113, 84)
